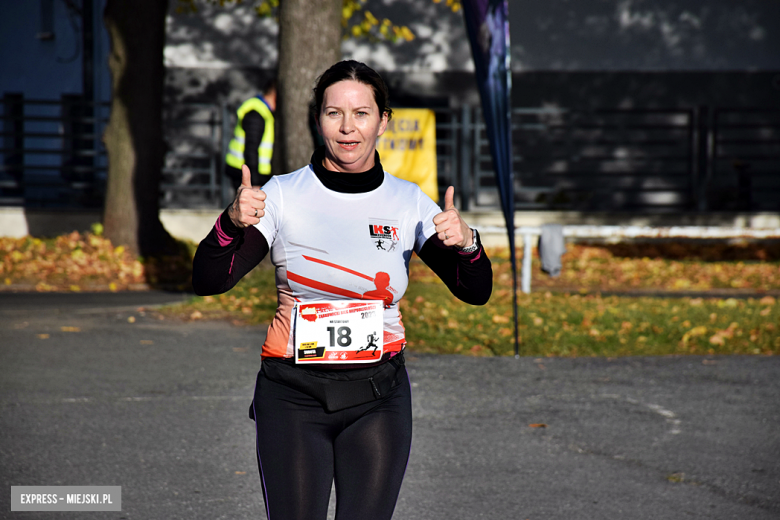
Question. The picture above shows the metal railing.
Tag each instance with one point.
(52, 154)
(604, 159)
(743, 166)
(698, 159)
(192, 174)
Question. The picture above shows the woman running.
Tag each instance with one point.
(329, 406)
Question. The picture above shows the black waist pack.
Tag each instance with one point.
(337, 389)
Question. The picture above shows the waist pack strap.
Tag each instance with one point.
(337, 389)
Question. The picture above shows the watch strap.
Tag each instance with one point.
(475, 243)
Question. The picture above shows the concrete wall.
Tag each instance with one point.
(224, 52)
(560, 35)
(574, 54)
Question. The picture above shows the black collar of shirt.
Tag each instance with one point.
(347, 182)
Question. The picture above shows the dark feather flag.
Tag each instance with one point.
(487, 24)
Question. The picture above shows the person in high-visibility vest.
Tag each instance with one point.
(253, 138)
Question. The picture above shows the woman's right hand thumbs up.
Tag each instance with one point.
(249, 205)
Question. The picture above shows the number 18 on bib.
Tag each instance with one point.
(340, 331)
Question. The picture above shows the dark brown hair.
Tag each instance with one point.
(357, 71)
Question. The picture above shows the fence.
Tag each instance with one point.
(698, 159)
(192, 175)
(52, 155)
(743, 169)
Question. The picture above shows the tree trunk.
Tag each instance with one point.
(133, 137)
(309, 43)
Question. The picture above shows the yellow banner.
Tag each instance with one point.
(407, 149)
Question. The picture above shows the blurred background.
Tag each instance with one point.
(668, 111)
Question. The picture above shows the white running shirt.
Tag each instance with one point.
(328, 245)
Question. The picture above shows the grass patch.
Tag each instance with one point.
(562, 324)
(559, 318)
(663, 267)
(551, 323)
(252, 301)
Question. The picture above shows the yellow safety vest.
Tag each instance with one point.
(235, 155)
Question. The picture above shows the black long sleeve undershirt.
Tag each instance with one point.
(468, 276)
(228, 253)
(218, 268)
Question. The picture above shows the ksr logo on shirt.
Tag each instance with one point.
(384, 234)
(380, 231)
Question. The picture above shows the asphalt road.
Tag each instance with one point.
(160, 408)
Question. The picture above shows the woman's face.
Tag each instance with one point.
(349, 122)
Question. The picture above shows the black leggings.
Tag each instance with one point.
(301, 449)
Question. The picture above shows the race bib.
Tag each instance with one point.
(341, 331)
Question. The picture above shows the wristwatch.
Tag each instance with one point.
(475, 243)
